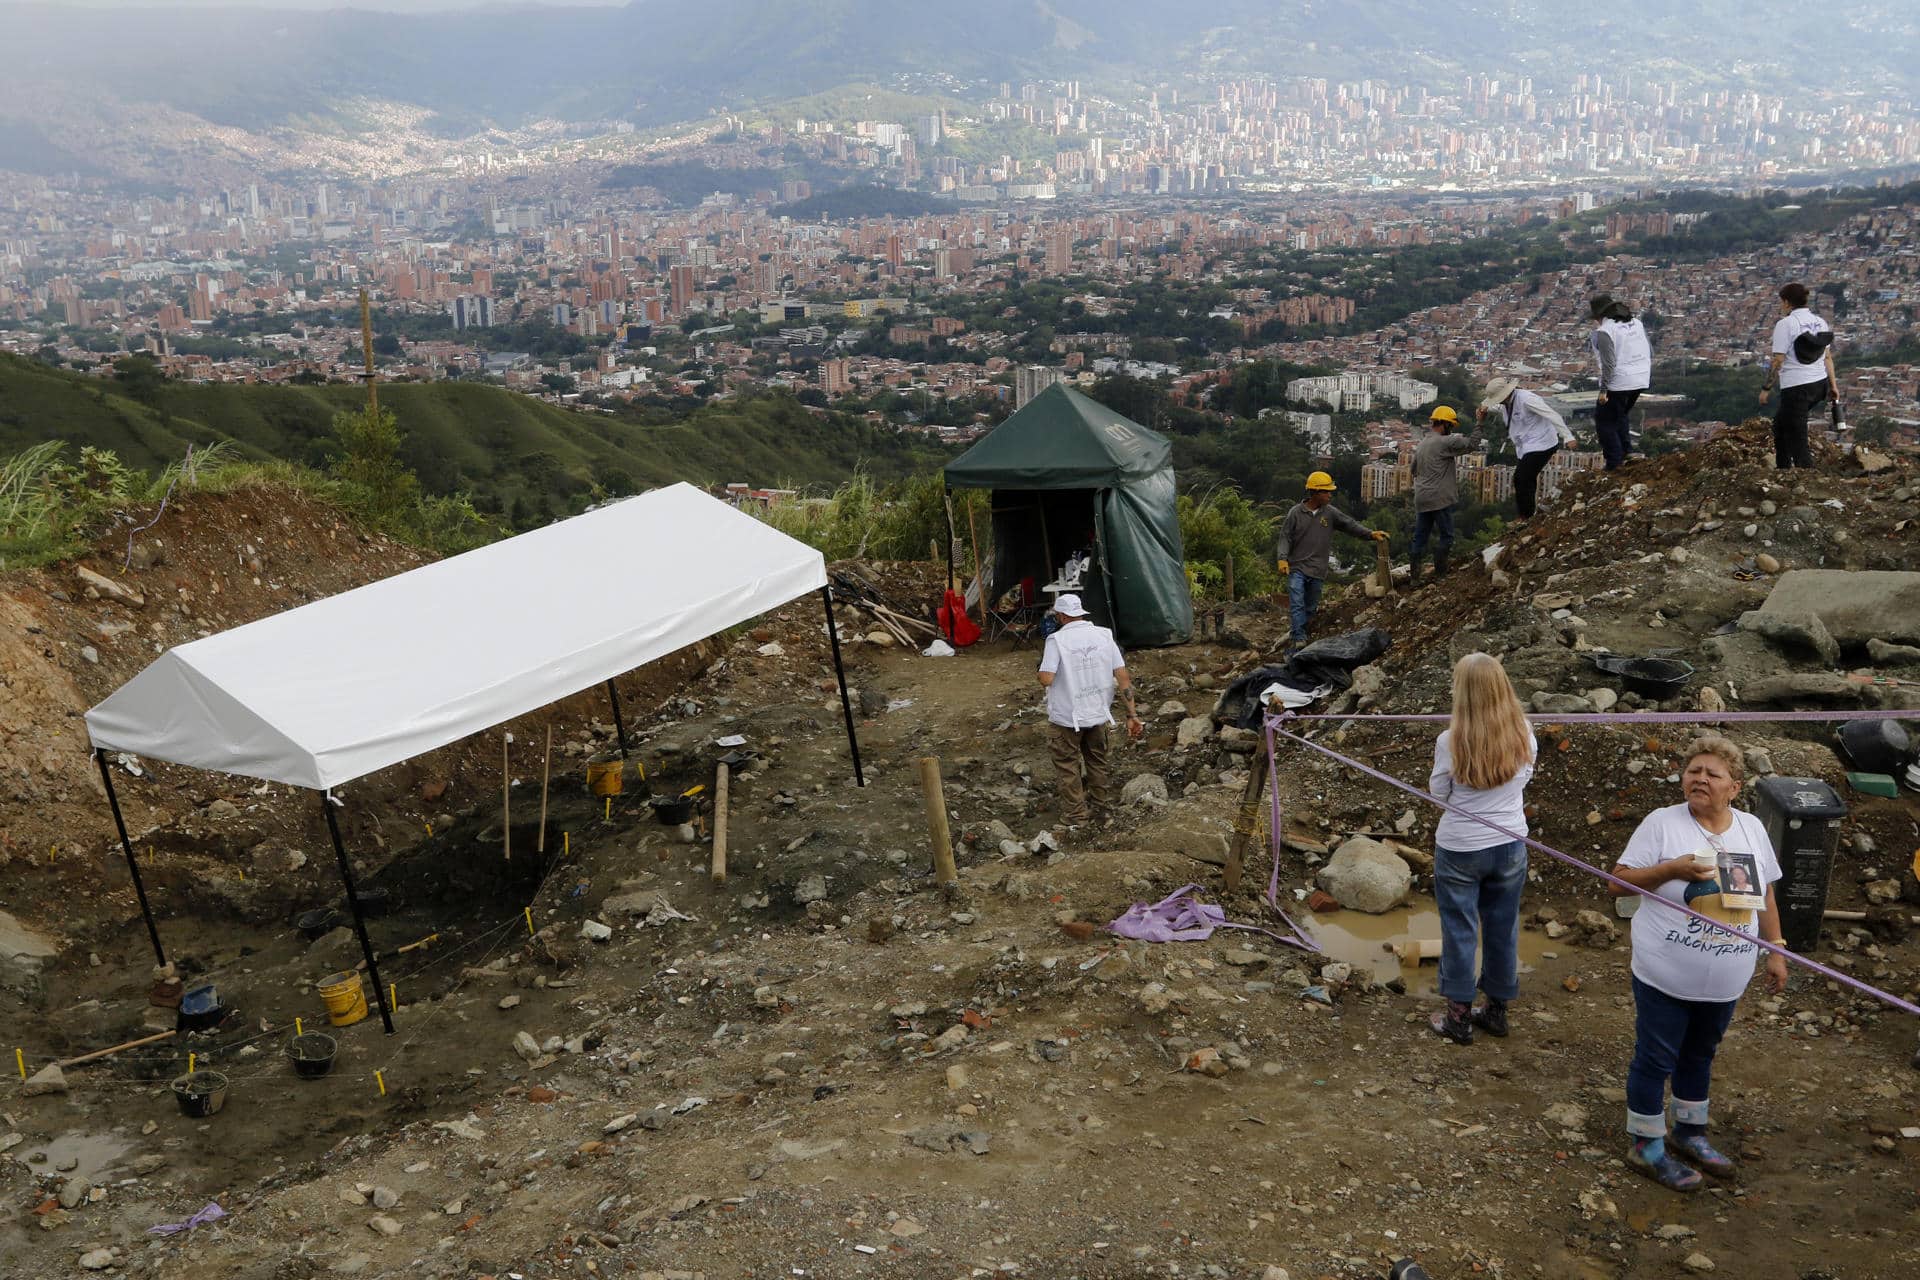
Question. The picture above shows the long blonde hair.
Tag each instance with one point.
(1490, 740)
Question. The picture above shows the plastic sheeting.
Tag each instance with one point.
(1145, 562)
(325, 693)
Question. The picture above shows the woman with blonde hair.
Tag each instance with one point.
(1481, 766)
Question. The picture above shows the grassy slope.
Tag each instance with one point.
(460, 436)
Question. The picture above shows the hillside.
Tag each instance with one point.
(495, 444)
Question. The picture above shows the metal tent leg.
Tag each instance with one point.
(359, 921)
(619, 725)
(133, 867)
(840, 672)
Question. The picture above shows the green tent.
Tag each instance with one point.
(1071, 475)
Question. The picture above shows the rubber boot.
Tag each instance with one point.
(1440, 563)
(1413, 574)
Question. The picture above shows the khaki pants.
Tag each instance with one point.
(1071, 748)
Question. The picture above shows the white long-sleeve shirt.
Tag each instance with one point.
(1533, 424)
(1505, 804)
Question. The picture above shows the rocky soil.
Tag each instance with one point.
(831, 1066)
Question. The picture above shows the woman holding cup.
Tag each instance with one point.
(1688, 975)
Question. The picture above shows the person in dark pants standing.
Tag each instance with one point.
(1306, 538)
(1620, 345)
(1537, 433)
(1436, 489)
(1802, 364)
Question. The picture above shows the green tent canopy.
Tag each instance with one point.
(1071, 475)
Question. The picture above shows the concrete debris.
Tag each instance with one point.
(49, 1079)
(1797, 634)
(1856, 606)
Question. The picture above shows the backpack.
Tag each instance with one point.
(1811, 346)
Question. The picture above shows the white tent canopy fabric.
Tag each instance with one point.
(336, 689)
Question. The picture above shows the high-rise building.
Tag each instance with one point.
(679, 289)
(833, 378)
(1059, 248)
(471, 311)
(1030, 380)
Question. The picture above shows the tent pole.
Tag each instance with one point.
(619, 725)
(840, 672)
(946, 508)
(353, 902)
(139, 888)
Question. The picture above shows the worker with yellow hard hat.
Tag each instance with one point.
(1306, 535)
(1436, 488)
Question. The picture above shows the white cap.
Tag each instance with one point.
(1068, 606)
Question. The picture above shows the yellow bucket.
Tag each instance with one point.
(604, 777)
(346, 999)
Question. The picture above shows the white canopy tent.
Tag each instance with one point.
(333, 690)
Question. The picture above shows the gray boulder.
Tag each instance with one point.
(1145, 788)
(1560, 704)
(1365, 875)
(1800, 634)
(1855, 606)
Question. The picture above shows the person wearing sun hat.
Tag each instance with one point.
(1620, 345)
(1080, 670)
(1536, 430)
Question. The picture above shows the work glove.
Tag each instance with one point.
(1379, 535)
(1282, 564)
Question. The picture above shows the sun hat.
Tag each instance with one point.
(1497, 392)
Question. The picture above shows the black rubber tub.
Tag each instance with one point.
(311, 1054)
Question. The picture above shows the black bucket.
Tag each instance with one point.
(312, 1054)
(317, 923)
(674, 810)
(200, 1008)
(200, 1093)
(374, 902)
(1656, 677)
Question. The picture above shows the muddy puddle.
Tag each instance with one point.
(85, 1154)
(1376, 944)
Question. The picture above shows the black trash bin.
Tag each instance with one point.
(1802, 817)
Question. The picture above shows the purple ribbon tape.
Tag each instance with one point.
(212, 1213)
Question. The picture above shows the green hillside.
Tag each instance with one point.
(500, 446)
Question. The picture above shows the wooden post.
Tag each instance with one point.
(720, 825)
(506, 795)
(1229, 577)
(546, 774)
(1383, 565)
(1246, 820)
(944, 871)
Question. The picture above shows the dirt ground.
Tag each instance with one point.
(830, 1066)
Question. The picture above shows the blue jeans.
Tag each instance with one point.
(1430, 522)
(1479, 896)
(1303, 597)
(1611, 426)
(1677, 1039)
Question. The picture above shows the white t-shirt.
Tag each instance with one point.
(1675, 953)
(1789, 327)
(1082, 658)
(1505, 804)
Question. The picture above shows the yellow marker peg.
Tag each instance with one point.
(393, 997)
(51, 850)
(566, 843)
(21, 1058)
(243, 874)
(296, 1028)
(429, 830)
(529, 921)
(380, 1079)
(190, 1058)
(608, 817)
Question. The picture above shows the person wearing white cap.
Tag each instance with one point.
(1537, 433)
(1080, 670)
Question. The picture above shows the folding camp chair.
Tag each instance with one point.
(1020, 622)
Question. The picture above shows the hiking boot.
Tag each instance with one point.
(1413, 574)
(1491, 1018)
(1666, 1171)
(1698, 1152)
(1453, 1024)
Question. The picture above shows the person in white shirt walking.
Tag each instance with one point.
(1537, 432)
(1625, 357)
(1481, 765)
(1802, 363)
(1080, 670)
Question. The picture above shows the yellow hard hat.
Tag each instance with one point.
(1320, 482)
(1443, 414)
